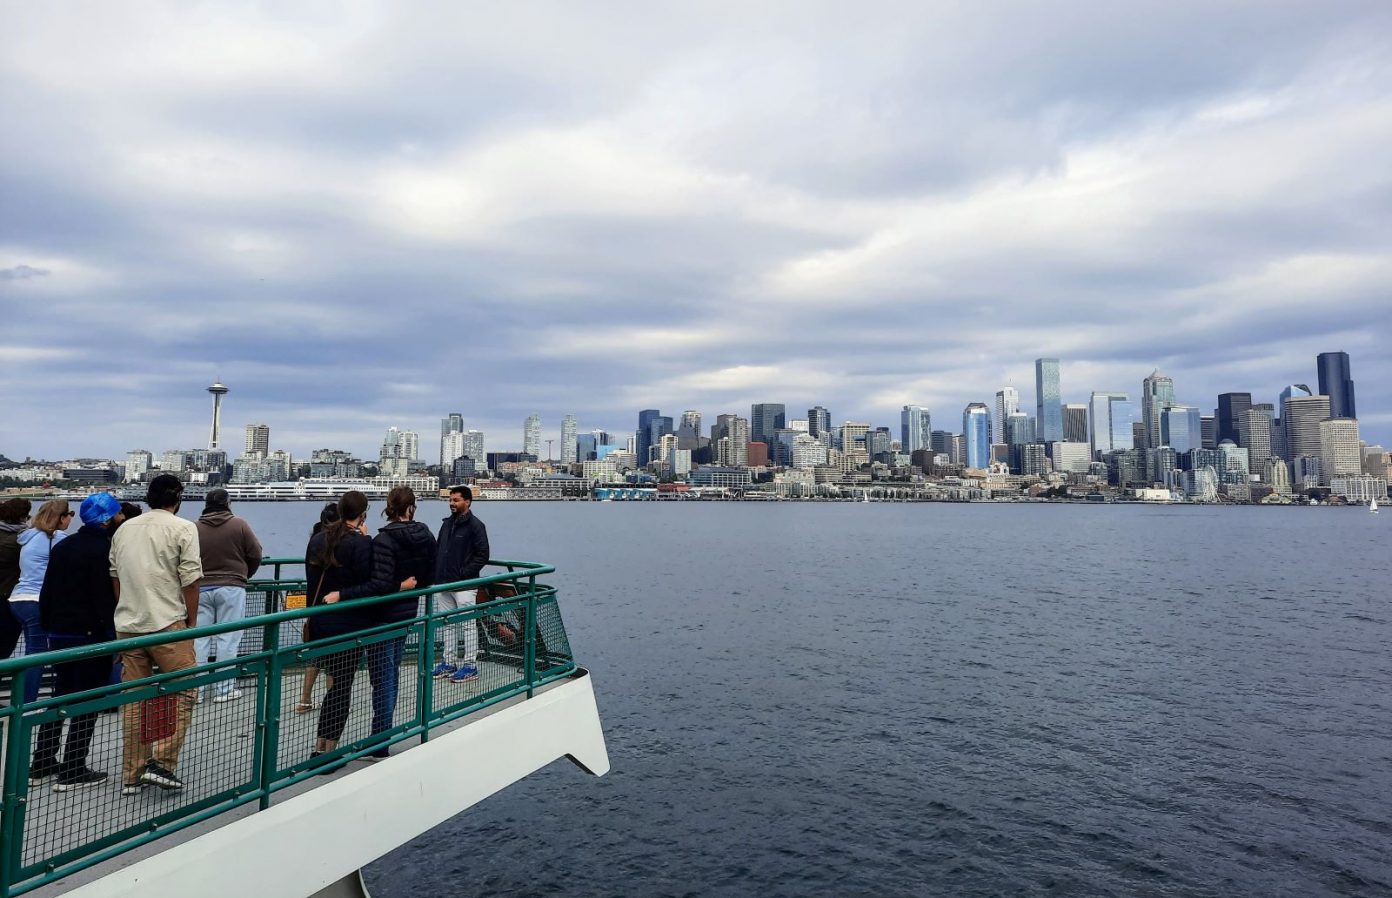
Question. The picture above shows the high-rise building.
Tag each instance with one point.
(531, 436)
(1070, 456)
(218, 391)
(1020, 429)
(568, 432)
(585, 446)
(765, 419)
(1111, 419)
(976, 434)
(1255, 428)
(915, 429)
(1157, 394)
(1049, 410)
(1301, 417)
(451, 448)
(692, 419)
(852, 435)
(878, 442)
(138, 464)
(1180, 428)
(1336, 382)
(258, 440)
(1007, 404)
(642, 446)
(819, 422)
(473, 446)
(1208, 426)
(658, 428)
(730, 441)
(451, 423)
(400, 448)
(1075, 423)
(1230, 409)
(1340, 453)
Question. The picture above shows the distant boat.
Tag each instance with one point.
(1372, 506)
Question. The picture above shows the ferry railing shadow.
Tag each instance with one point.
(239, 753)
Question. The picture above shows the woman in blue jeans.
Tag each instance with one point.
(46, 531)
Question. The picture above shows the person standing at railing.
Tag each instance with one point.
(337, 558)
(35, 544)
(463, 551)
(403, 557)
(14, 514)
(231, 554)
(155, 567)
(77, 605)
(327, 515)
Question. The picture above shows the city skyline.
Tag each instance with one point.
(695, 208)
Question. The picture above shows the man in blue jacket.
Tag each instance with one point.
(462, 553)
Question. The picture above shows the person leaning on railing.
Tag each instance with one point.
(47, 530)
(231, 554)
(155, 567)
(13, 515)
(403, 557)
(76, 606)
(462, 554)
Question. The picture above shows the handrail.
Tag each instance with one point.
(248, 751)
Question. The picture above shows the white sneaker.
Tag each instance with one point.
(228, 696)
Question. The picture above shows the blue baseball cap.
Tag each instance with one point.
(99, 508)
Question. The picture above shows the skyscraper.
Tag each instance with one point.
(1075, 423)
(1208, 425)
(1007, 404)
(976, 434)
(1254, 429)
(1020, 429)
(218, 391)
(818, 422)
(473, 446)
(258, 439)
(1049, 410)
(1111, 419)
(765, 420)
(451, 423)
(1340, 454)
(531, 436)
(1181, 429)
(915, 429)
(1336, 382)
(1157, 394)
(692, 419)
(1301, 417)
(568, 431)
(730, 441)
(642, 447)
(1230, 409)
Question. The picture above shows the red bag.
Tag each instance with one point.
(157, 717)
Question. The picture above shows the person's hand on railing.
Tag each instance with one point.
(408, 583)
(331, 598)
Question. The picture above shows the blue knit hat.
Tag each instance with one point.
(99, 508)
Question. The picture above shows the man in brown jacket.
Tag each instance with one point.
(231, 554)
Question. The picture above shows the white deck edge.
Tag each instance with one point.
(305, 843)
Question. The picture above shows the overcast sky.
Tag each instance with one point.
(365, 215)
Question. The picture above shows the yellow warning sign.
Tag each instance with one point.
(294, 601)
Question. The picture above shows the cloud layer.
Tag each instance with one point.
(372, 215)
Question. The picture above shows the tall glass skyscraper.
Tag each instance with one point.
(1007, 404)
(643, 437)
(1181, 428)
(818, 422)
(1049, 406)
(1231, 407)
(765, 420)
(976, 433)
(1336, 382)
(1157, 394)
(1111, 417)
(915, 429)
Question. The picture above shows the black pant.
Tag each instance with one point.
(69, 678)
(333, 716)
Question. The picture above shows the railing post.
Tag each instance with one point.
(425, 662)
(531, 625)
(16, 787)
(268, 727)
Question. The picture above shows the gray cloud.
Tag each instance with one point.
(23, 273)
(377, 218)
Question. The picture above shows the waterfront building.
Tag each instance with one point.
(808, 451)
(451, 423)
(531, 436)
(819, 423)
(1375, 460)
(852, 435)
(1336, 382)
(568, 435)
(176, 461)
(1007, 404)
(1157, 394)
(138, 465)
(1160, 463)
(1071, 456)
(599, 471)
(1127, 468)
(915, 429)
(1048, 407)
(1111, 418)
(1340, 453)
(1000, 454)
(258, 440)
(1029, 459)
(958, 452)
(463, 469)
(678, 461)
(399, 453)
(1307, 471)
(757, 454)
(1236, 467)
(765, 419)
(1230, 409)
(1180, 428)
(1254, 430)
(1278, 476)
(1205, 458)
(1301, 417)
(1201, 484)
(727, 477)
(1359, 487)
(585, 447)
(1075, 423)
(976, 434)
(1208, 427)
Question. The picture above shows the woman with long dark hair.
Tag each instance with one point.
(327, 515)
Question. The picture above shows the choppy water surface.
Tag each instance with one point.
(947, 699)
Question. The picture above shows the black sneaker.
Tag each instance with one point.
(156, 774)
(43, 772)
(80, 780)
(380, 754)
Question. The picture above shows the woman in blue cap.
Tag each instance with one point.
(76, 607)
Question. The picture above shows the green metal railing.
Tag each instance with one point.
(239, 753)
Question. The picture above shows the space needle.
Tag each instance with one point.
(218, 391)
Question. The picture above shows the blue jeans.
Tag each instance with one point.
(219, 605)
(35, 641)
(384, 671)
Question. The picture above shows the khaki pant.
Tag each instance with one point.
(139, 663)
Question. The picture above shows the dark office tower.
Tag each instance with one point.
(1209, 426)
(643, 439)
(1075, 423)
(658, 428)
(1230, 409)
(818, 421)
(765, 420)
(942, 442)
(1336, 382)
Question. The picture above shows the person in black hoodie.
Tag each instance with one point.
(14, 515)
(462, 554)
(403, 557)
(76, 607)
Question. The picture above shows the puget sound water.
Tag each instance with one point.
(934, 699)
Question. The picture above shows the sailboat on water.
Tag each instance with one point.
(1372, 505)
